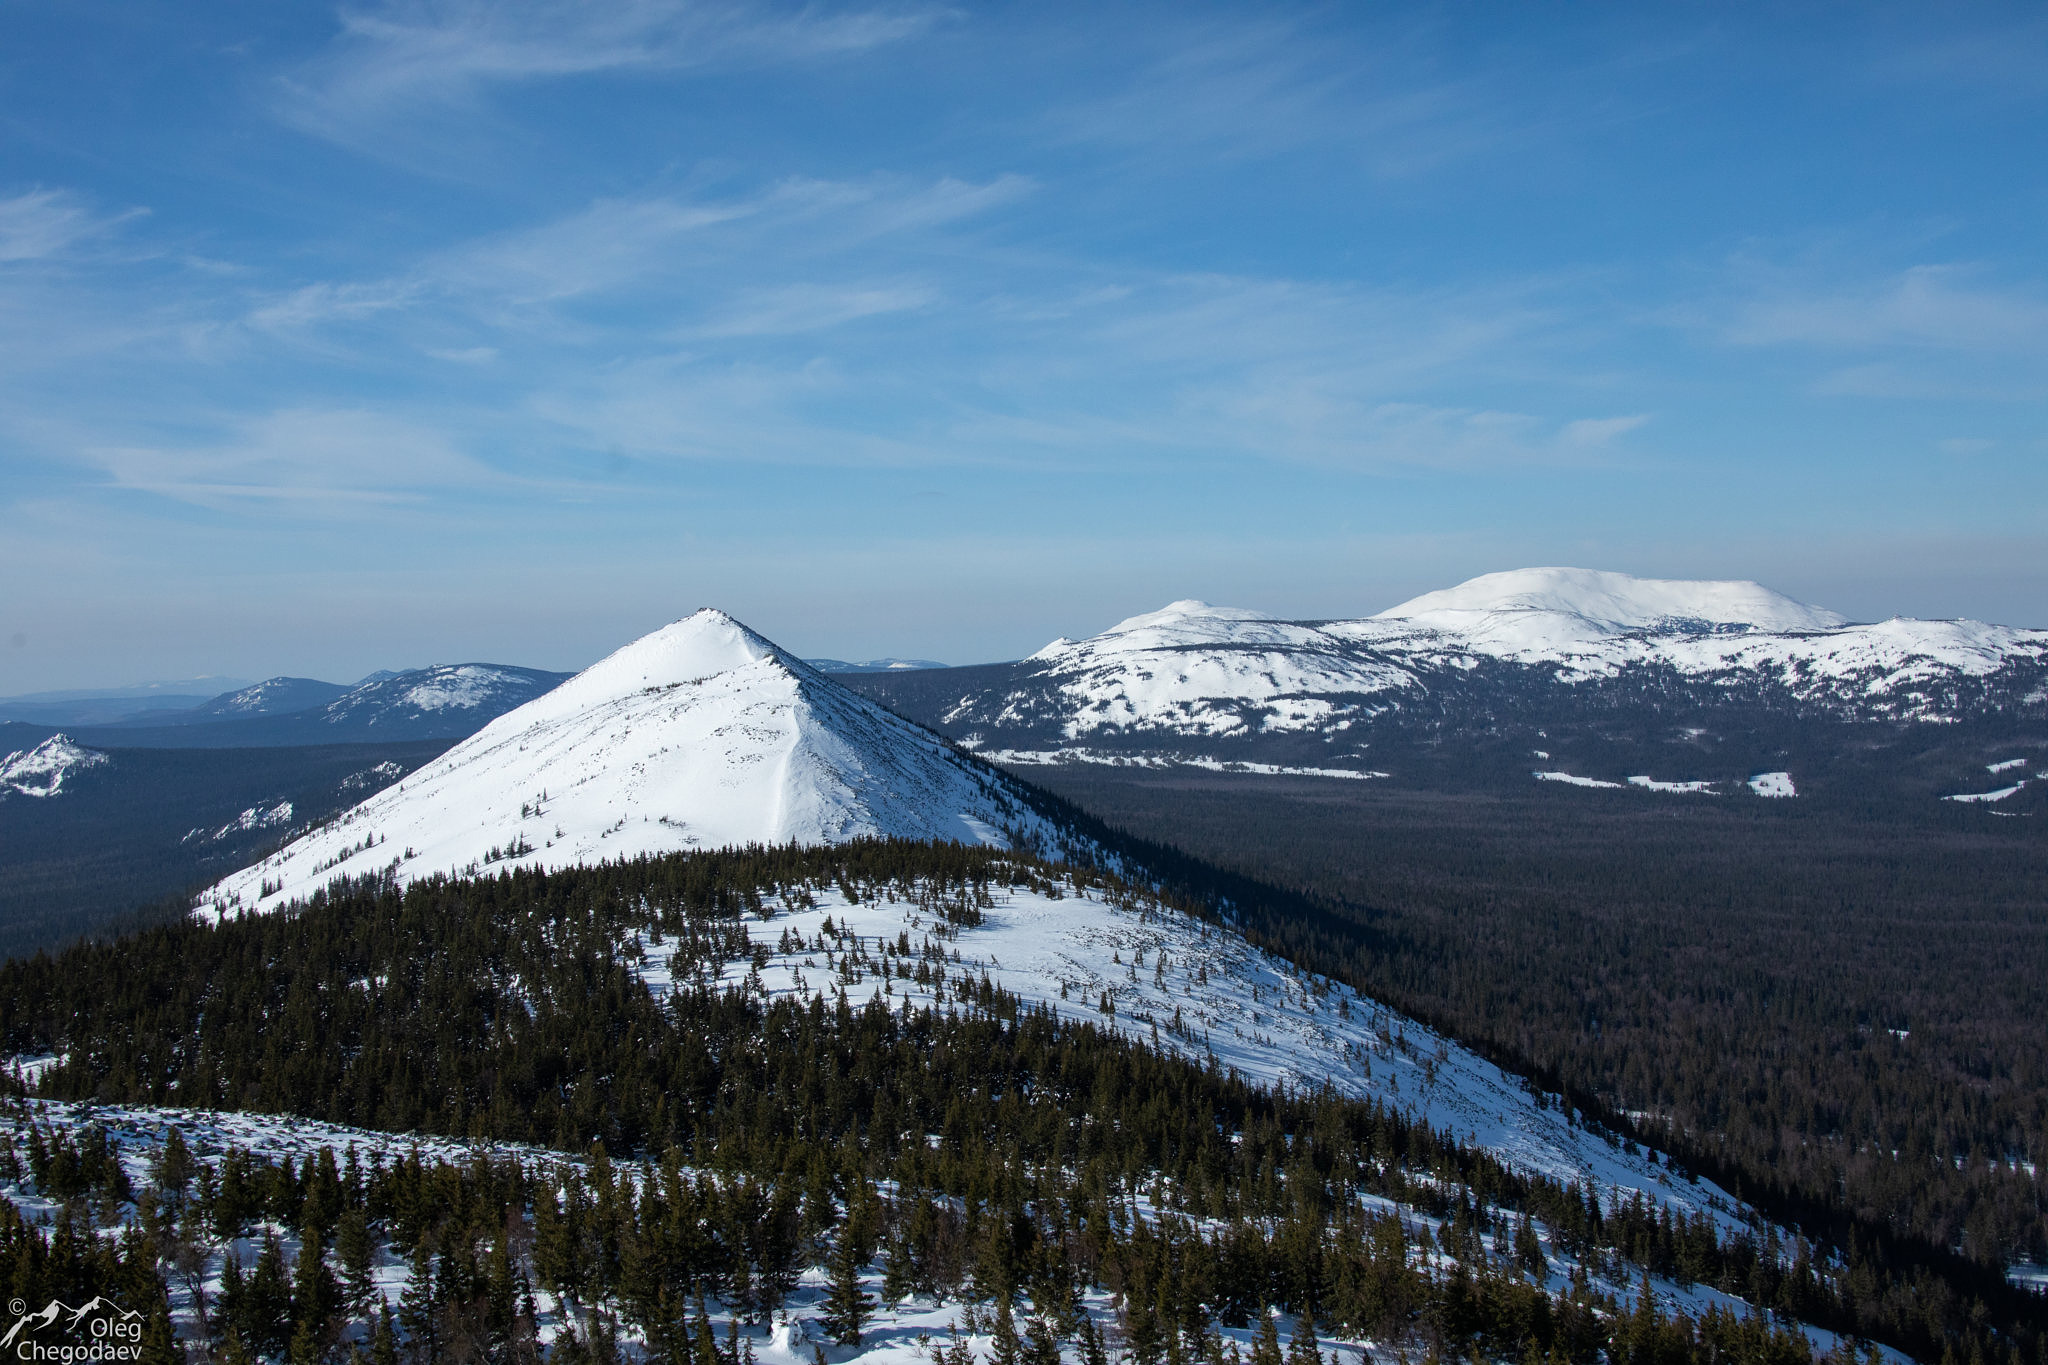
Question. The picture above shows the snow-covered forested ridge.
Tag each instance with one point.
(554, 965)
(394, 1220)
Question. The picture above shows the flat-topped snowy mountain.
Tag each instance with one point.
(1532, 650)
(1557, 608)
(700, 735)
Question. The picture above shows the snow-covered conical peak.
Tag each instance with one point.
(702, 734)
(703, 645)
(1613, 603)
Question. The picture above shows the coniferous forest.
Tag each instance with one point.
(984, 1154)
(1833, 1010)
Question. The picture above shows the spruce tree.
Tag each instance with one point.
(356, 1249)
(1303, 1348)
(1142, 1334)
(384, 1340)
(1266, 1347)
(846, 1304)
(1004, 1347)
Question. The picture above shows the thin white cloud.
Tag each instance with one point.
(1935, 306)
(43, 223)
(786, 310)
(308, 458)
(398, 58)
(712, 261)
(1599, 431)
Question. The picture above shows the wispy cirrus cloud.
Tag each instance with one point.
(1263, 88)
(1928, 331)
(310, 459)
(679, 262)
(404, 57)
(40, 224)
(1944, 307)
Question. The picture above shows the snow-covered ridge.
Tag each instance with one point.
(41, 771)
(699, 735)
(1218, 673)
(1198, 991)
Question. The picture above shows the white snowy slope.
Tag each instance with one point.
(1197, 990)
(41, 771)
(1208, 673)
(700, 735)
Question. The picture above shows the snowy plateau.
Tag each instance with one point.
(1194, 680)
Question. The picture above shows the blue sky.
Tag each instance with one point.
(343, 338)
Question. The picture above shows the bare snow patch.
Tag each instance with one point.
(1773, 784)
(1572, 779)
(2005, 766)
(1696, 788)
(1998, 795)
(1161, 762)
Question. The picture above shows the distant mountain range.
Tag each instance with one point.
(872, 665)
(1663, 686)
(446, 701)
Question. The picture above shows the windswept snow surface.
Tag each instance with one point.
(41, 771)
(700, 735)
(1198, 991)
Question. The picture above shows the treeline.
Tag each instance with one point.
(508, 1008)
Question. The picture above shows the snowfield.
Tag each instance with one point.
(700, 735)
(1773, 784)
